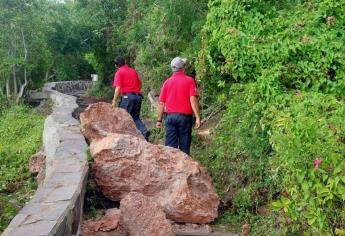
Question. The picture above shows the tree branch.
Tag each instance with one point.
(213, 113)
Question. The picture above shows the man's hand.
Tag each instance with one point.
(116, 95)
(197, 123)
(160, 112)
(195, 106)
(159, 125)
(113, 103)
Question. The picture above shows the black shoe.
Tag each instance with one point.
(147, 135)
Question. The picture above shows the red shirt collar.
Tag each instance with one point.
(180, 72)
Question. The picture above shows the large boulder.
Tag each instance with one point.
(141, 216)
(101, 119)
(125, 163)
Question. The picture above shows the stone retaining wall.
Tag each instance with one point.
(70, 86)
(56, 208)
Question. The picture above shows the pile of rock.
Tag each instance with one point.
(37, 166)
(155, 184)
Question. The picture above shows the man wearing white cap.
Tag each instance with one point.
(179, 99)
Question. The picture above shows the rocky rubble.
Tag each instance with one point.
(108, 225)
(37, 166)
(124, 163)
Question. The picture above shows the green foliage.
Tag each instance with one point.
(280, 65)
(311, 127)
(2, 103)
(99, 90)
(238, 159)
(259, 224)
(52, 37)
(21, 28)
(303, 39)
(169, 29)
(20, 137)
(69, 42)
(267, 148)
(102, 21)
(277, 65)
(149, 34)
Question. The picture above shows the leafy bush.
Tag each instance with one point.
(170, 29)
(20, 137)
(307, 137)
(282, 63)
(101, 91)
(302, 41)
(238, 158)
(2, 103)
(267, 151)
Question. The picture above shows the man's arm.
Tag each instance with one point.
(116, 95)
(160, 115)
(195, 106)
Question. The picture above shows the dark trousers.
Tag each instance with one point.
(178, 131)
(132, 103)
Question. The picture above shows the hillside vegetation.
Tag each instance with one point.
(271, 75)
(277, 155)
(20, 137)
(279, 67)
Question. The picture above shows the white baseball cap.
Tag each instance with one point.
(178, 63)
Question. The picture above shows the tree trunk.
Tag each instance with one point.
(48, 76)
(8, 91)
(14, 77)
(22, 86)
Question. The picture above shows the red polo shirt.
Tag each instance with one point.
(128, 80)
(176, 93)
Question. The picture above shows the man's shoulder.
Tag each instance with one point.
(125, 67)
(190, 78)
(178, 79)
(169, 80)
(118, 72)
(132, 70)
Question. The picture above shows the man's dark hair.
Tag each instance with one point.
(119, 61)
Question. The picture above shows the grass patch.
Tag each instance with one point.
(20, 137)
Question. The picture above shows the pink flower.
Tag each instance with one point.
(317, 163)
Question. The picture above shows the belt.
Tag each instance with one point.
(138, 94)
(181, 114)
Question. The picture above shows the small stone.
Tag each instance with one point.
(110, 221)
(331, 20)
(91, 228)
(245, 229)
(191, 229)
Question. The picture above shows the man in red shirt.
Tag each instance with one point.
(128, 84)
(179, 99)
